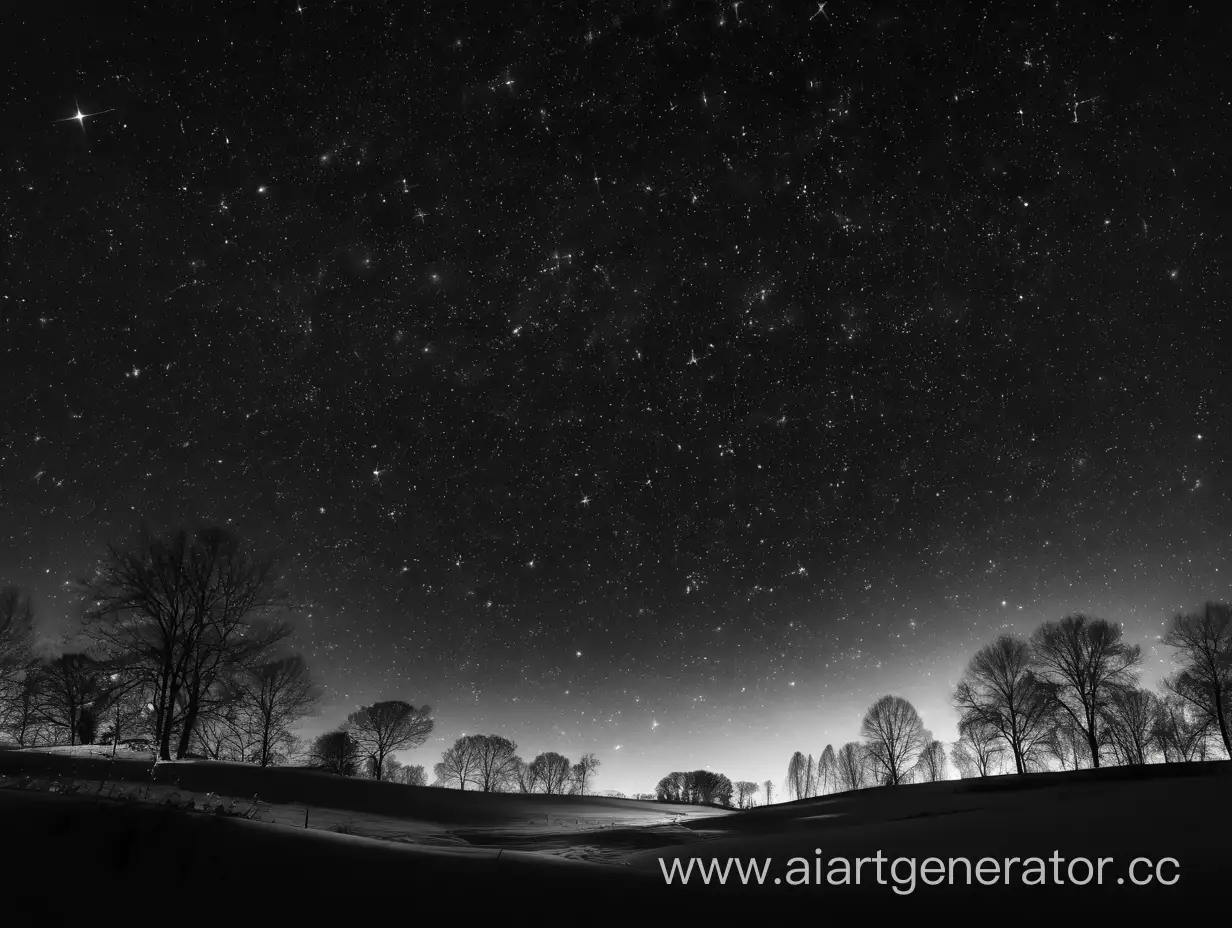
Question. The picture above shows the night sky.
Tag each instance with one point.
(667, 383)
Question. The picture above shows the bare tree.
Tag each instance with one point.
(551, 772)
(930, 768)
(19, 676)
(525, 777)
(1203, 643)
(797, 783)
(72, 692)
(746, 793)
(274, 696)
(335, 752)
(826, 769)
(23, 714)
(1180, 731)
(187, 610)
(1068, 744)
(979, 749)
(769, 788)
(1083, 661)
(385, 727)
(895, 737)
(457, 764)
(16, 633)
(850, 770)
(582, 771)
(1130, 719)
(999, 690)
(413, 775)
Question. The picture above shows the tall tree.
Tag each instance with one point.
(187, 610)
(930, 768)
(894, 737)
(16, 633)
(385, 727)
(796, 784)
(1203, 643)
(850, 768)
(551, 772)
(979, 748)
(746, 793)
(1130, 719)
(1180, 731)
(1083, 661)
(335, 752)
(769, 788)
(73, 691)
(999, 691)
(273, 696)
(457, 764)
(826, 768)
(583, 770)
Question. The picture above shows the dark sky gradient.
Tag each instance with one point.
(678, 380)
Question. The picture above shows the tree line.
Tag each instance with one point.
(1068, 696)
(185, 634)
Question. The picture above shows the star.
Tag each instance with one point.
(81, 117)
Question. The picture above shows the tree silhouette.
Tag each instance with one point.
(930, 768)
(797, 782)
(1180, 731)
(551, 773)
(1130, 718)
(979, 748)
(999, 691)
(1203, 643)
(335, 752)
(73, 691)
(746, 793)
(850, 768)
(186, 610)
(894, 737)
(826, 769)
(582, 771)
(271, 697)
(769, 788)
(385, 727)
(1083, 660)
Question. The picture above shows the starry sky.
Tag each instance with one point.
(666, 380)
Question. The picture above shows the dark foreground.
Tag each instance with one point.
(63, 848)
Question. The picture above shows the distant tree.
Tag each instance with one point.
(797, 783)
(23, 712)
(930, 767)
(826, 770)
(456, 768)
(894, 737)
(385, 727)
(16, 635)
(391, 769)
(1000, 692)
(1181, 732)
(1083, 660)
(979, 749)
(551, 773)
(768, 786)
(336, 752)
(707, 787)
(614, 794)
(273, 696)
(523, 777)
(186, 610)
(73, 691)
(671, 788)
(1203, 643)
(746, 793)
(1068, 744)
(582, 771)
(413, 775)
(1130, 717)
(850, 768)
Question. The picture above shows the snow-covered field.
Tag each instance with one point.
(507, 850)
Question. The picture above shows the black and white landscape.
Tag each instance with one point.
(499, 452)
